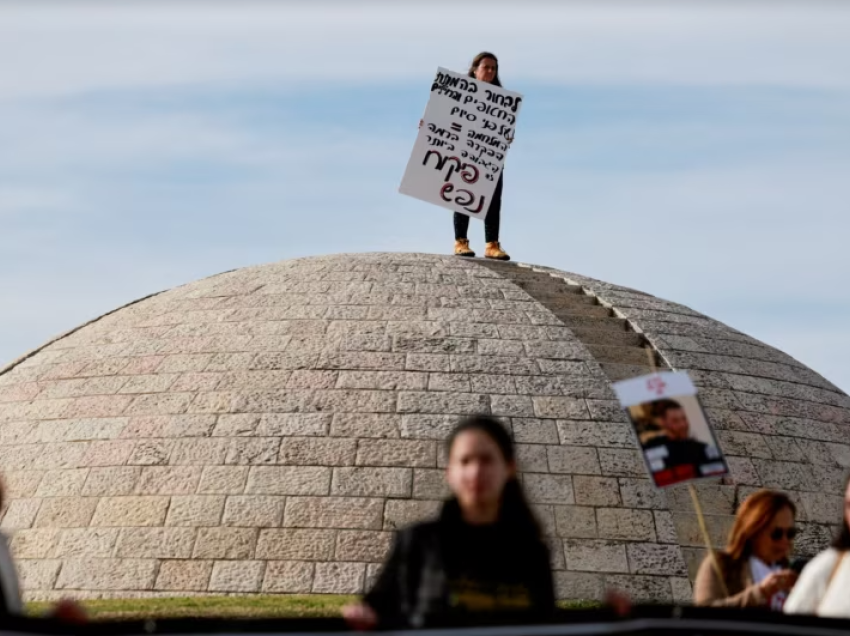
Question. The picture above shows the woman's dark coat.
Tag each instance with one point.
(422, 583)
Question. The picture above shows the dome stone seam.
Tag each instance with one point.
(790, 363)
(617, 360)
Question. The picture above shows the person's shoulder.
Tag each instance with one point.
(418, 531)
(724, 560)
(813, 580)
(423, 527)
(655, 440)
(823, 561)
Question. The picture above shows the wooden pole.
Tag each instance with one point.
(697, 506)
(707, 538)
(651, 355)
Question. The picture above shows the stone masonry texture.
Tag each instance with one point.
(267, 429)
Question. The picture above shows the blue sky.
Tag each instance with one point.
(695, 150)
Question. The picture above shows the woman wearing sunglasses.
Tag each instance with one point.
(753, 568)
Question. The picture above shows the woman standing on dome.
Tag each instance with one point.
(483, 554)
(754, 565)
(484, 68)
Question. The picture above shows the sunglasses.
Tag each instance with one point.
(777, 533)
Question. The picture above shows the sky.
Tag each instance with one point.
(698, 151)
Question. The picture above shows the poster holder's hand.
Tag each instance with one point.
(360, 617)
(70, 611)
(779, 581)
(421, 121)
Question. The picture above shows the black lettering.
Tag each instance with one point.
(447, 92)
(463, 114)
(507, 101)
(489, 140)
(513, 102)
(506, 132)
(442, 161)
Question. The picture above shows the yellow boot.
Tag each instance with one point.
(494, 250)
(462, 248)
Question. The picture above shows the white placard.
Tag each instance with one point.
(672, 430)
(653, 387)
(460, 150)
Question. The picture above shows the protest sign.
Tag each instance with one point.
(460, 150)
(673, 432)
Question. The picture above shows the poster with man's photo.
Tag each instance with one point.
(672, 429)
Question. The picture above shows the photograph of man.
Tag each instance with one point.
(672, 428)
(670, 447)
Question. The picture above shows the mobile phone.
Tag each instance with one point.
(798, 564)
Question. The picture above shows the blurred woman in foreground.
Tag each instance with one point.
(754, 565)
(824, 585)
(484, 553)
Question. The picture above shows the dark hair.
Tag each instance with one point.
(480, 58)
(842, 541)
(755, 514)
(515, 511)
(661, 407)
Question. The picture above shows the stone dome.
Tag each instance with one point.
(264, 430)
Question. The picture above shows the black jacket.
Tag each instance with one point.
(680, 452)
(445, 571)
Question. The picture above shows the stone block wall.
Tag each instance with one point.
(266, 430)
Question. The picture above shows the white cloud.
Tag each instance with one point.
(67, 48)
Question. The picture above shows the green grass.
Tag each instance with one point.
(579, 604)
(260, 606)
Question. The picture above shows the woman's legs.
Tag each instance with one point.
(461, 226)
(461, 241)
(491, 221)
(491, 229)
(491, 226)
